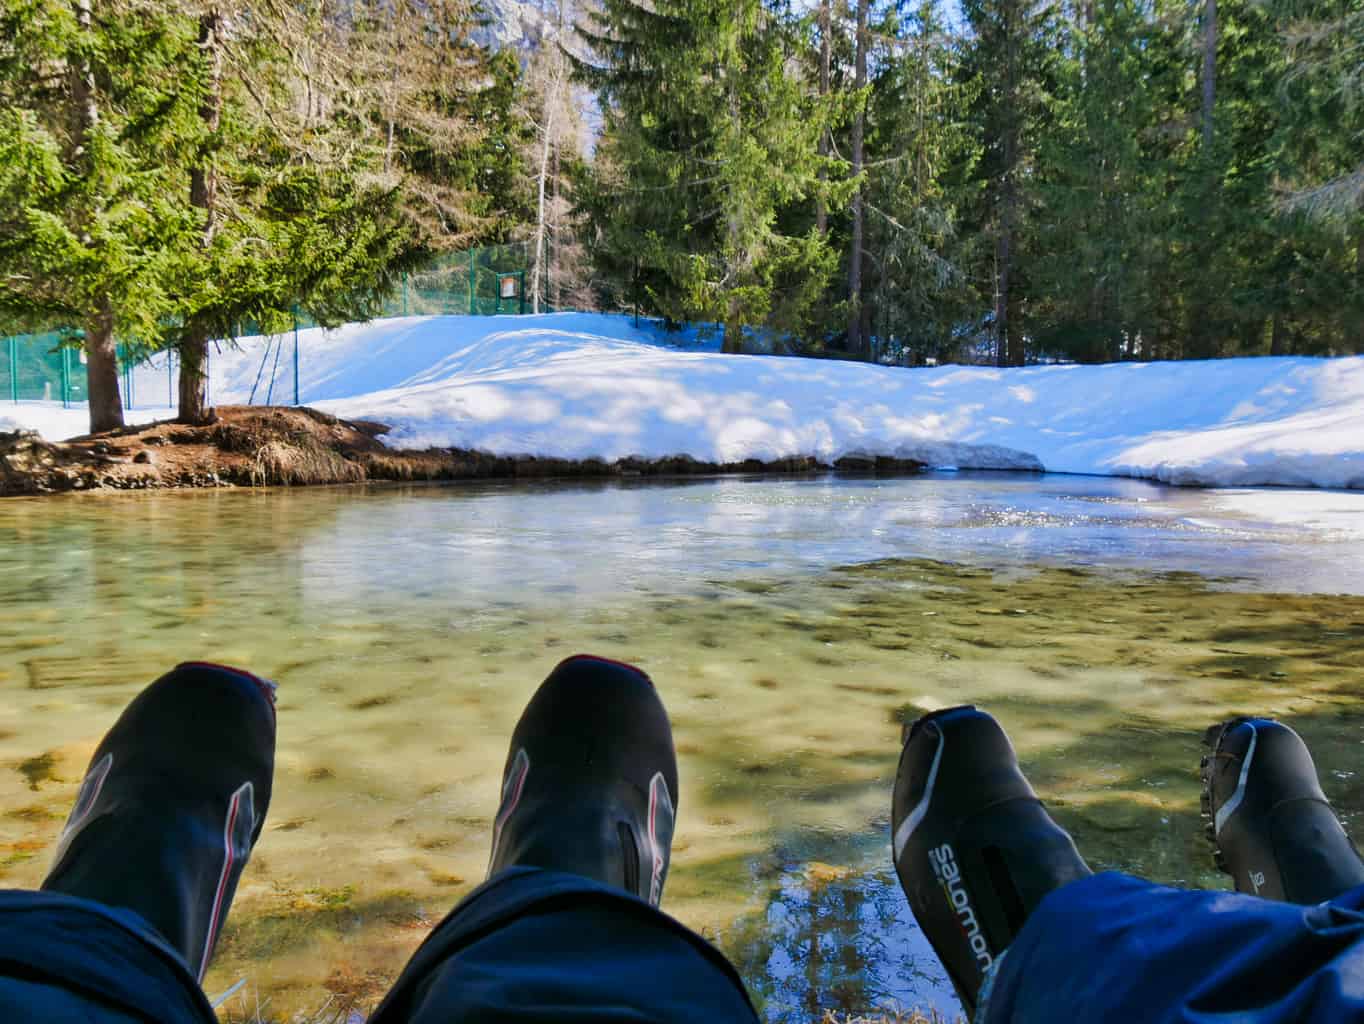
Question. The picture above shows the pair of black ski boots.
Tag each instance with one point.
(976, 851)
(176, 794)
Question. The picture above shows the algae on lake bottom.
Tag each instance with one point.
(787, 694)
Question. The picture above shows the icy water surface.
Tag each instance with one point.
(791, 626)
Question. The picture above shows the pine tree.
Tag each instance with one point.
(412, 75)
(1325, 41)
(314, 208)
(1007, 62)
(1226, 249)
(708, 139)
(97, 124)
(861, 44)
(917, 292)
(1321, 194)
(1104, 170)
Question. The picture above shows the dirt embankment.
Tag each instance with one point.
(253, 446)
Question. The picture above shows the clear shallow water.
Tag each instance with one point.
(791, 625)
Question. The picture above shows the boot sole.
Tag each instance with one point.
(1212, 739)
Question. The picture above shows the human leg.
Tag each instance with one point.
(1112, 947)
(146, 867)
(1269, 822)
(974, 849)
(567, 926)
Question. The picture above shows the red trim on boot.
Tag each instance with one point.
(604, 661)
(266, 686)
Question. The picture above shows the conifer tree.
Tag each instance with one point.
(708, 138)
(315, 207)
(861, 44)
(97, 120)
(1007, 63)
(917, 291)
(1105, 168)
(1322, 188)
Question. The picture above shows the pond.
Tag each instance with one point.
(791, 625)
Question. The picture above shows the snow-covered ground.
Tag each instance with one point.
(579, 385)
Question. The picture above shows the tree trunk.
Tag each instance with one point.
(1002, 257)
(101, 372)
(193, 349)
(553, 251)
(1017, 349)
(1359, 292)
(1209, 67)
(1278, 337)
(101, 356)
(84, 106)
(547, 145)
(537, 272)
(734, 331)
(1008, 204)
(203, 195)
(825, 62)
(855, 343)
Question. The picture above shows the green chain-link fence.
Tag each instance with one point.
(39, 367)
(480, 282)
(487, 281)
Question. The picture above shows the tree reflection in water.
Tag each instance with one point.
(837, 939)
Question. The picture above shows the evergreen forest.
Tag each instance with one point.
(1003, 181)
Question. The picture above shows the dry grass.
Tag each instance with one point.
(301, 461)
(239, 1010)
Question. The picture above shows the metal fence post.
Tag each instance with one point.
(66, 377)
(14, 370)
(404, 293)
(472, 311)
(170, 378)
(296, 338)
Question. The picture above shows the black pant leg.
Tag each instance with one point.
(67, 959)
(552, 947)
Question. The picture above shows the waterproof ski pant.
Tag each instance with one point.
(530, 945)
(543, 946)
(1115, 948)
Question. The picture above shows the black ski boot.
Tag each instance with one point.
(1270, 825)
(590, 785)
(173, 801)
(973, 846)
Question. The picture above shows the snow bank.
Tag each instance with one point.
(579, 386)
(55, 423)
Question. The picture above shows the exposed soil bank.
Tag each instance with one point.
(254, 446)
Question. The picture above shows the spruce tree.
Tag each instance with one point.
(1105, 170)
(1008, 67)
(708, 139)
(97, 121)
(1321, 192)
(916, 292)
(315, 209)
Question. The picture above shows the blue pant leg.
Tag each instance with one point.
(64, 959)
(546, 946)
(1116, 948)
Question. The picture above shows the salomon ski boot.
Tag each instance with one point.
(590, 785)
(974, 848)
(1270, 825)
(172, 803)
